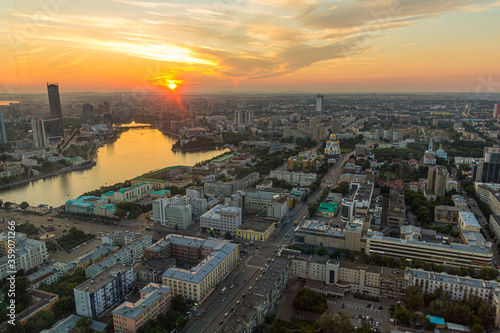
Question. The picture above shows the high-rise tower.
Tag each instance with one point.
(320, 103)
(3, 131)
(55, 105)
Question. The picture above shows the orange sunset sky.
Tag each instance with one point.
(250, 45)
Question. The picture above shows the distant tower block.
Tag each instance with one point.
(55, 106)
(320, 99)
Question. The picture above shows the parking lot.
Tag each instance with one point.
(361, 310)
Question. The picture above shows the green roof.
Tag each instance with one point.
(328, 207)
(223, 158)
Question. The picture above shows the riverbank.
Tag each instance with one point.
(183, 150)
(164, 131)
(52, 174)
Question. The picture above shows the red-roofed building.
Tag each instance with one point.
(196, 131)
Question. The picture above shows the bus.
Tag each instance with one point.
(148, 228)
(201, 313)
(50, 219)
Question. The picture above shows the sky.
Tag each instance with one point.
(191, 46)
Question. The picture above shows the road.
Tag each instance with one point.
(258, 255)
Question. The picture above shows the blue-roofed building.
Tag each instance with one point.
(438, 321)
(67, 324)
(85, 204)
(467, 222)
(129, 194)
(106, 210)
(160, 194)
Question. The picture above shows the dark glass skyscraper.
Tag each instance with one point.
(55, 106)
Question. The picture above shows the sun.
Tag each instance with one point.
(172, 86)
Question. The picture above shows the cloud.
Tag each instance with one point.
(234, 40)
(409, 44)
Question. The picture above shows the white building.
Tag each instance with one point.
(278, 208)
(98, 294)
(175, 211)
(221, 219)
(459, 287)
(29, 253)
(295, 178)
(332, 146)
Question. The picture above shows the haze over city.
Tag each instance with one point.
(249, 45)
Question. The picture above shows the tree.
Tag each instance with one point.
(22, 296)
(7, 205)
(120, 213)
(24, 205)
(477, 328)
(335, 323)
(176, 227)
(228, 236)
(322, 252)
(308, 300)
(179, 304)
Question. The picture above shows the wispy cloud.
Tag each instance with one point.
(409, 44)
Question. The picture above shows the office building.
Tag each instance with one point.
(320, 100)
(88, 113)
(197, 283)
(3, 130)
(467, 222)
(55, 108)
(447, 254)
(39, 136)
(174, 211)
(84, 205)
(195, 192)
(154, 299)
(496, 111)
(29, 253)
(358, 202)
(221, 219)
(487, 170)
(129, 194)
(256, 230)
(104, 290)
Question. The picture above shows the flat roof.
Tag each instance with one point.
(469, 220)
(102, 278)
(134, 310)
(452, 279)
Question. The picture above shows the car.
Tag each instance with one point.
(376, 330)
(232, 309)
(65, 219)
(257, 279)
(223, 299)
(226, 314)
(342, 306)
(367, 306)
(380, 307)
(377, 324)
(243, 296)
(222, 322)
(360, 316)
(238, 302)
(360, 321)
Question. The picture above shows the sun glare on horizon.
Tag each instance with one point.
(172, 86)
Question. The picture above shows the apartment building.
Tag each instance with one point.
(174, 211)
(296, 178)
(447, 214)
(459, 201)
(221, 219)
(195, 192)
(104, 290)
(49, 274)
(197, 283)
(29, 253)
(154, 299)
(226, 189)
(120, 238)
(459, 287)
(278, 208)
(358, 202)
(397, 209)
(126, 255)
(261, 299)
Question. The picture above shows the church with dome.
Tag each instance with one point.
(332, 146)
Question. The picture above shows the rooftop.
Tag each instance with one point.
(133, 310)
(101, 279)
(452, 279)
(469, 220)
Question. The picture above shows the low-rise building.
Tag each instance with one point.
(459, 201)
(154, 299)
(106, 289)
(447, 214)
(67, 324)
(85, 204)
(129, 194)
(151, 270)
(256, 230)
(295, 178)
(174, 211)
(467, 222)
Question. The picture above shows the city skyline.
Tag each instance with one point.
(251, 45)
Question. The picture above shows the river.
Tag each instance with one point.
(136, 152)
